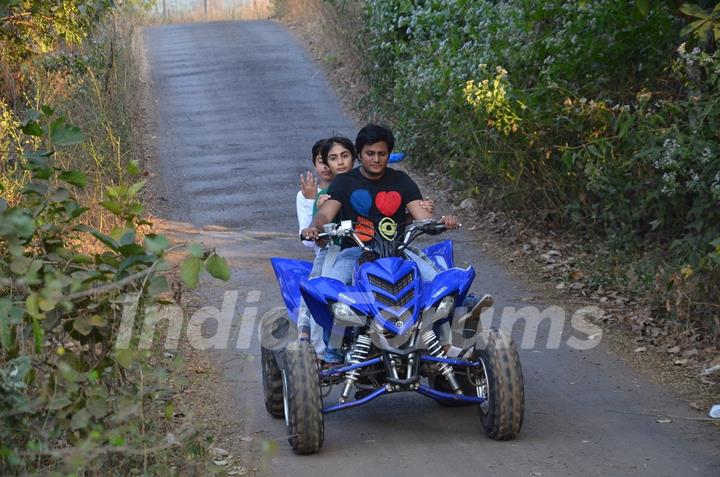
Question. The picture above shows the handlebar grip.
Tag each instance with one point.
(435, 230)
(321, 235)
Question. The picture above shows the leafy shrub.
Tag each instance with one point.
(73, 248)
(68, 393)
(30, 28)
(584, 114)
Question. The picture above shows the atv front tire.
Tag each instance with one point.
(302, 398)
(502, 413)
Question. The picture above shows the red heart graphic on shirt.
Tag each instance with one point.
(388, 202)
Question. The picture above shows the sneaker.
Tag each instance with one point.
(470, 301)
(333, 356)
(471, 321)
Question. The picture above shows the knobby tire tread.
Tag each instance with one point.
(506, 395)
(272, 383)
(305, 420)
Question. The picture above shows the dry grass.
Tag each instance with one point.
(95, 89)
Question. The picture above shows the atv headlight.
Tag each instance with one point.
(343, 312)
(444, 308)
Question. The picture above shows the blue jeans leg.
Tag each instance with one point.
(305, 322)
(427, 268)
(345, 265)
(343, 271)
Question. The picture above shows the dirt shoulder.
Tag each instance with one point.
(551, 263)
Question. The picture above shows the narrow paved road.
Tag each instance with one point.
(238, 106)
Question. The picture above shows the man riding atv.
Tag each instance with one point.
(381, 195)
(373, 191)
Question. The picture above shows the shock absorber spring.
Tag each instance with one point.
(360, 351)
(433, 347)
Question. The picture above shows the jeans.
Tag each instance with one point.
(427, 268)
(305, 323)
(345, 265)
(342, 270)
(346, 259)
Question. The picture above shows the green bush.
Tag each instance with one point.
(73, 248)
(597, 116)
(68, 394)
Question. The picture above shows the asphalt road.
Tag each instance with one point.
(238, 106)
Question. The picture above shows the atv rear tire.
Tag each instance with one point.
(302, 399)
(274, 330)
(272, 383)
(502, 413)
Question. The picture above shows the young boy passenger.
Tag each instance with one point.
(309, 187)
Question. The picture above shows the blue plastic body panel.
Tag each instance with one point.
(289, 274)
(442, 254)
(389, 290)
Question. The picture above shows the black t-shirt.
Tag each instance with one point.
(383, 201)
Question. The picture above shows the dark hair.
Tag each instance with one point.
(316, 149)
(342, 141)
(372, 133)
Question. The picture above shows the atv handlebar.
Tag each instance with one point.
(344, 229)
(431, 227)
(419, 227)
(320, 236)
(414, 230)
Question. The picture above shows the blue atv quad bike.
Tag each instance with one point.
(385, 325)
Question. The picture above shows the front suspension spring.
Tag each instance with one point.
(360, 352)
(433, 347)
